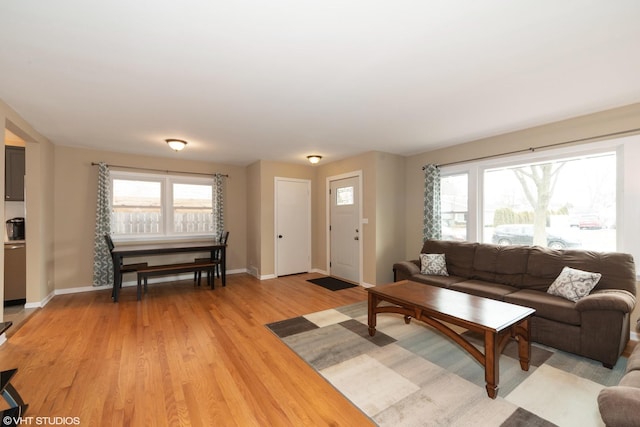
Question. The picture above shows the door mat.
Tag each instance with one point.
(332, 283)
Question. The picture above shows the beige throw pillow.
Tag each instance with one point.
(574, 284)
(433, 264)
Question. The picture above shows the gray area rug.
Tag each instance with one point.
(411, 375)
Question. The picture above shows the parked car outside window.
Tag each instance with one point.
(522, 234)
(591, 222)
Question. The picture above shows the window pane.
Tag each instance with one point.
(560, 204)
(454, 197)
(344, 196)
(136, 207)
(136, 193)
(193, 208)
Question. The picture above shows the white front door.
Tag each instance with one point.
(345, 229)
(293, 226)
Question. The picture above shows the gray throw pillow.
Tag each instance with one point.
(433, 264)
(574, 284)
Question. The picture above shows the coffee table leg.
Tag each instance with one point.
(373, 303)
(523, 335)
(491, 363)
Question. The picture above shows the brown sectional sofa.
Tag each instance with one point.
(597, 326)
(620, 405)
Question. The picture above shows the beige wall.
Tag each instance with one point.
(254, 213)
(366, 164)
(75, 201)
(39, 206)
(383, 208)
(610, 121)
(261, 219)
(390, 199)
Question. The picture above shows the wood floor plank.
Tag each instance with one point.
(184, 355)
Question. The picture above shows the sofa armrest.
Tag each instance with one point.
(609, 299)
(619, 406)
(405, 269)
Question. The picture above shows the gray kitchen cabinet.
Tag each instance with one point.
(14, 174)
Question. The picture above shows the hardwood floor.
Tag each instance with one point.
(182, 356)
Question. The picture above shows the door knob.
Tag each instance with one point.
(279, 236)
(356, 238)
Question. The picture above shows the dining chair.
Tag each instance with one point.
(197, 276)
(124, 268)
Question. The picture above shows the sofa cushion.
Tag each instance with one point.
(574, 284)
(484, 289)
(547, 306)
(441, 281)
(619, 406)
(544, 265)
(433, 264)
(631, 379)
(633, 363)
(459, 255)
(500, 264)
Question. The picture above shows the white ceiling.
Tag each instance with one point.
(244, 80)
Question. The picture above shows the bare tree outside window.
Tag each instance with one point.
(565, 203)
(538, 184)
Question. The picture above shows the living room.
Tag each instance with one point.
(61, 191)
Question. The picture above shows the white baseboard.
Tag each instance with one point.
(42, 303)
(129, 283)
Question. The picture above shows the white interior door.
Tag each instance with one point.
(345, 229)
(293, 226)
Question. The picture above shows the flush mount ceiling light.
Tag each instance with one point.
(176, 144)
(314, 158)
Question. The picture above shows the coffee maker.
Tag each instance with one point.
(15, 228)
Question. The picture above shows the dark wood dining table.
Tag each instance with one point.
(120, 252)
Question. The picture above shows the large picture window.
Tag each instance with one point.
(561, 199)
(564, 203)
(158, 205)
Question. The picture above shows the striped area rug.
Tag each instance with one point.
(411, 375)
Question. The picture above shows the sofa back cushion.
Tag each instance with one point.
(459, 255)
(544, 266)
(506, 265)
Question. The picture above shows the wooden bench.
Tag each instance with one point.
(164, 270)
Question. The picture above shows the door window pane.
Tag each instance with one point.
(344, 196)
(565, 203)
(454, 210)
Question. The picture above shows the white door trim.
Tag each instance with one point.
(354, 174)
(275, 219)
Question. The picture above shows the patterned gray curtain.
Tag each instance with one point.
(218, 204)
(102, 264)
(432, 216)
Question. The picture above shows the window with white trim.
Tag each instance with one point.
(151, 205)
(562, 198)
(454, 198)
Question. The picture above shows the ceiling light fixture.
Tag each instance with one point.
(176, 144)
(314, 158)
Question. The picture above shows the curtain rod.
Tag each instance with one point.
(162, 170)
(541, 147)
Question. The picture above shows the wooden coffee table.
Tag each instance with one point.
(497, 321)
